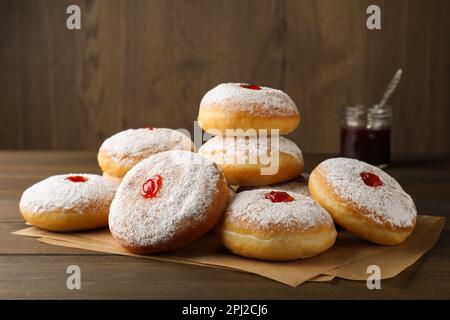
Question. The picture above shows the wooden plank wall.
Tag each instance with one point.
(137, 63)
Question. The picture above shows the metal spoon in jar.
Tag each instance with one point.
(390, 89)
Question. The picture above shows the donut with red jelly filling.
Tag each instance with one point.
(276, 225)
(125, 149)
(69, 202)
(364, 200)
(166, 201)
(231, 106)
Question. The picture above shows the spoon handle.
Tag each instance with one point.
(390, 88)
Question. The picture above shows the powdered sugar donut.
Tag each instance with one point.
(254, 161)
(125, 149)
(364, 200)
(68, 202)
(167, 200)
(244, 106)
(297, 185)
(276, 225)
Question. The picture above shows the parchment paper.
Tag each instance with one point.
(348, 258)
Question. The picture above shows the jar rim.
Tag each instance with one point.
(359, 110)
(371, 117)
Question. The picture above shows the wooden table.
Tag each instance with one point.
(29, 269)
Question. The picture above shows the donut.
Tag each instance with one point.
(244, 106)
(125, 149)
(254, 161)
(114, 179)
(68, 202)
(364, 200)
(166, 201)
(297, 185)
(276, 225)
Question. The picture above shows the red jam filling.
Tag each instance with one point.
(250, 86)
(279, 196)
(150, 128)
(370, 179)
(151, 187)
(77, 178)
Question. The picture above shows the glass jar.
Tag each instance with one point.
(366, 134)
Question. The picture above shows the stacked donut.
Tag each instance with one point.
(121, 152)
(247, 121)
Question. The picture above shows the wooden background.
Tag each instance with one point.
(137, 63)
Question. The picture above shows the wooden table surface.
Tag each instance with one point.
(29, 269)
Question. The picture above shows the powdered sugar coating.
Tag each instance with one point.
(59, 193)
(188, 187)
(239, 149)
(264, 102)
(298, 185)
(388, 203)
(130, 146)
(252, 206)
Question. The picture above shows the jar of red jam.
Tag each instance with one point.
(366, 134)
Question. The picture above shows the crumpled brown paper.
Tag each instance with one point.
(348, 258)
